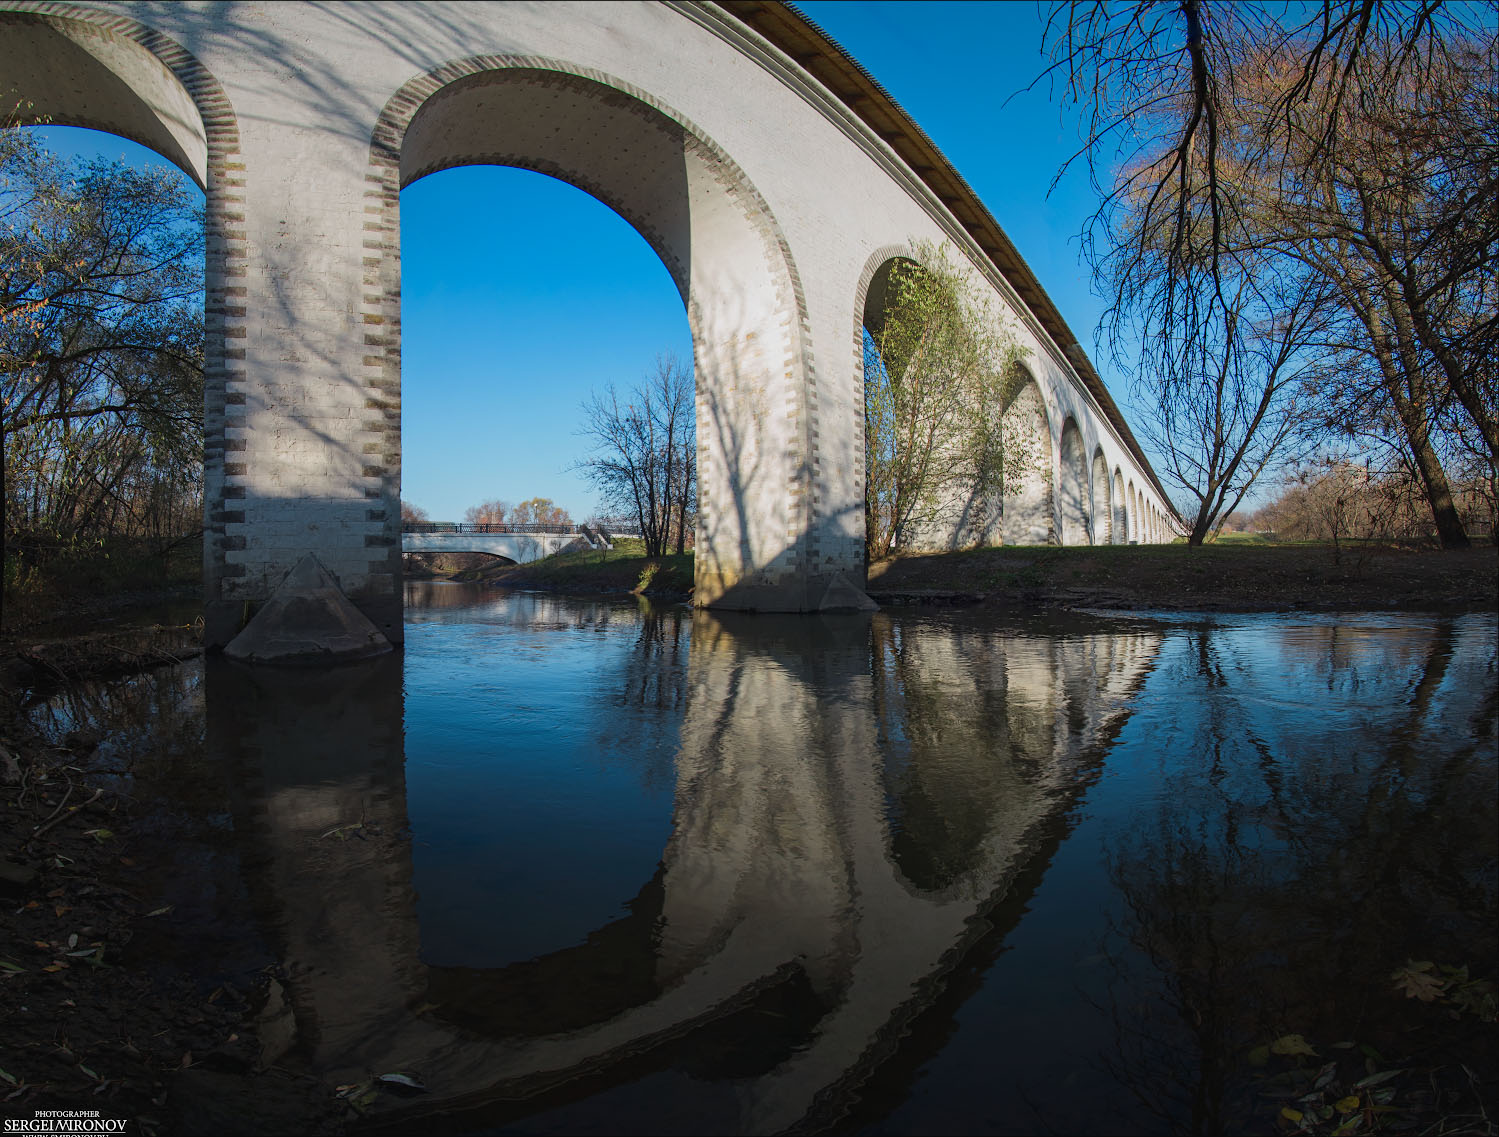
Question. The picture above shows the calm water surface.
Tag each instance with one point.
(597, 868)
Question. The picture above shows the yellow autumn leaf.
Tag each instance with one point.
(1292, 1045)
(1346, 1105)
(1293, 1115)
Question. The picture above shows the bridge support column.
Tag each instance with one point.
(309, 456)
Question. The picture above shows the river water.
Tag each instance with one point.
(593, 867)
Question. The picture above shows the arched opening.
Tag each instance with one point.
(524, 298)
(68, 72)
(757, 469)
(1103, 514)
(1029, 518)
(424, 565)
(1121, 509)
(935, 450)
(1073, 492)
(1133, 528)
(159, 453)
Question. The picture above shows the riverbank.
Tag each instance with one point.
(108, 998)
(591, 572)
(1226, 577)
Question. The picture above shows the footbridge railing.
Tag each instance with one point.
(488, 527)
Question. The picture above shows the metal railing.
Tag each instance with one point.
(483, 527)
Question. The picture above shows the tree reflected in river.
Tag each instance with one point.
(1325, 812)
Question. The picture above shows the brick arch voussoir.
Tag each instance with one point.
(382, 294)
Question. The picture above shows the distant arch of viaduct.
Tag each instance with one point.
(730, 135)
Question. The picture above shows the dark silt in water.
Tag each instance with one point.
(593, 868)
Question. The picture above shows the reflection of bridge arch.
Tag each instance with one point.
(781, 873)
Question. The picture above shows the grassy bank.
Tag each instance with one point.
(624, 568)
(1229, 577)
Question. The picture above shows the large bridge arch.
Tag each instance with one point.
(966, 515)
(717, 238)
(1121, 509)
(1029, 513)
(1103, 513)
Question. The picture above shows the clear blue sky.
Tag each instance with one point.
(522, 294)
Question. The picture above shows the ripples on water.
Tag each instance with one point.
(663, 871)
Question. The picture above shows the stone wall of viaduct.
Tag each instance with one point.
(773, 188)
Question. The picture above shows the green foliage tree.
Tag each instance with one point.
(939, 372)
(101, 352)
(539, 511)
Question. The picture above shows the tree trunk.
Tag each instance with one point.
(1407, 391)
(1433, 478)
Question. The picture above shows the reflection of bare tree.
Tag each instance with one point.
(652, 687)
(1300, 856)
(148, 725)
(655, 674)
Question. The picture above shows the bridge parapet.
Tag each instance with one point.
(488, 527)
(520, 543)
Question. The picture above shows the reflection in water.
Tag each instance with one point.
(589, 866)
(819, 855)
(315, 761)
(970, 720)
(1302, 845)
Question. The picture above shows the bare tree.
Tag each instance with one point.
(101, 355)
(645, 458)
(494, 512)
(1239, 400)
(415, 513)
(1355, 145)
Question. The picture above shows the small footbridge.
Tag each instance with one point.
(519, 543)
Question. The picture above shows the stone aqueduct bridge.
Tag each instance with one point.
(773, 176)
